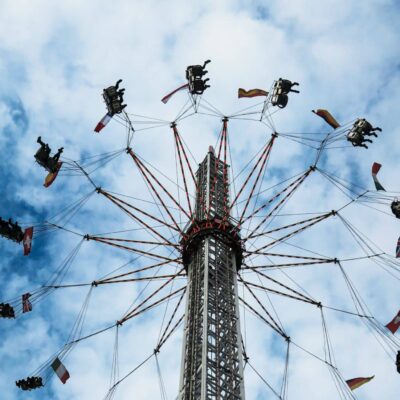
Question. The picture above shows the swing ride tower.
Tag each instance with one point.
(208, 253)
(212, 365)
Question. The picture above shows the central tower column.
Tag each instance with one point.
(212, 366)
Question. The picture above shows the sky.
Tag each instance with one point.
(55, 60)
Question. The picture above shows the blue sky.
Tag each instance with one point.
(55, 59)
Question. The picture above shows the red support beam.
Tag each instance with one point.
(295, 186)
(144, 170)
(273, 266)
(281, 228)
(134, 241)
(289, 235)
(129, 314)
(148, 278)
(112, 199)
(156, 303)
(201, 198)
(136, 271)
(286, 255)
(225, 173)
(182, 170)
(186, 157)
(142, 211)
(264, 161)
(252, 171)
(146, 253)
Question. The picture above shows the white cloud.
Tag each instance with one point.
(58, 57)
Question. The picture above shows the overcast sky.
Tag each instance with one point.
(55, 60)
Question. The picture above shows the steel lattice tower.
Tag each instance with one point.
(212, 366)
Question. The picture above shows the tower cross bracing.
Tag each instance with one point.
(212, 366)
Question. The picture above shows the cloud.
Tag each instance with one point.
(56, 59)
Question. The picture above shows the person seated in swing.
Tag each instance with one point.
(196, 71)
(6, 311)
(16, 232)
(279, 100)
(395, 206)
(194, 76)
(56, 156)
(5, 229)
(22, 384)
(114, 97)
(43, 154)
(282, 88)
(398, 361)
(32, 382)
(112, 91)
(120, 98)
(363, 126)
(357, 139)
(35, 382)
(121, 93)
(116, 106)
(52, 163)
(198, 86)
(11, 230)
(286, 86)
(38, 381)
(43, 158)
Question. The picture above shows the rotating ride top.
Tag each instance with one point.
(219, 244)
